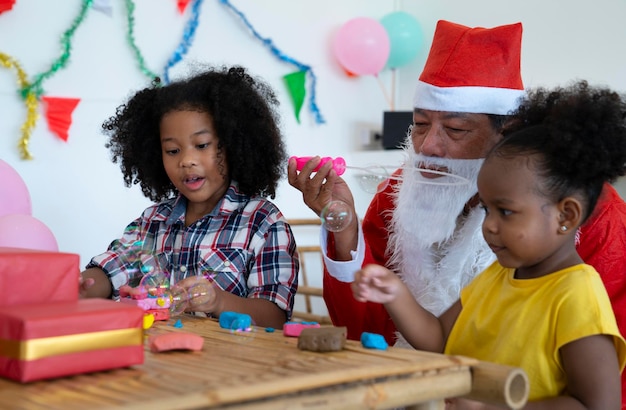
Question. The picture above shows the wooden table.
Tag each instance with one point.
(255, 370)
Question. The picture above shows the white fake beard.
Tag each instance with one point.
(430, 205)
(433, 247)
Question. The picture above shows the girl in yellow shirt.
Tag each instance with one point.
(538, 307)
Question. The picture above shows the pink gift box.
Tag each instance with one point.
(49, 340)
(32, 276)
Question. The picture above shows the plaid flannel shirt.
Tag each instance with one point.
(244, 245)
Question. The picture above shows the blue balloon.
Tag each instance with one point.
(405, 38)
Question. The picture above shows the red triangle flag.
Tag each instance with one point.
(182, 5)
(6, 5)
(59, 114)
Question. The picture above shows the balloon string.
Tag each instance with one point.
(385, 94)
(393, 89)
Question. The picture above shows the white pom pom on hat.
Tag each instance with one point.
(475, 70)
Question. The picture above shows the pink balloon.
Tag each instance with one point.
(362, 46)
(26, 232)
(14, 196)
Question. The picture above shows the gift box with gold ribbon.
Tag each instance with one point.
(49, 340)
(33, 276)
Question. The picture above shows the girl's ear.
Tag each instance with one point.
(570, 214)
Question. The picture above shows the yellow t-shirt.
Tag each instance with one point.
(524, 322)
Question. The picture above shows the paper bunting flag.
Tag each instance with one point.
(6, 5)
(103, 6)
(297, 90)
(182, 5)
(59, 114)
(268, 42)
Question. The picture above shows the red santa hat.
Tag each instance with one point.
(474, 70)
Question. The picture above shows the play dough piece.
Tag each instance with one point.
(373, 341)
(293, 329)
(175, 341)
(323, 339)
(235, 321)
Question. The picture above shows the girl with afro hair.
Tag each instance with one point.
(539, 306)
(208, 151)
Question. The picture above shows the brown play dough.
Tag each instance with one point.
(323, 339)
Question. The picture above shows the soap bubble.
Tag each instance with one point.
(371, 178)
(156, 283)
(336, 216)
(197, 294)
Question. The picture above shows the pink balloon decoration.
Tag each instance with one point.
(362, 46)
(14, 196)
(26, 232)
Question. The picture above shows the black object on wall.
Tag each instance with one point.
(395, 126)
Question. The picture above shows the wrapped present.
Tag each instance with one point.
(33, 276)
(48, 340)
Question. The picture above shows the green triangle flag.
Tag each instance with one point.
(295, 84)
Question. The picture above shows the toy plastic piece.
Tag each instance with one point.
(293, 329)
(159, 314)
(323, 339)
(148, 320)
(178, 324)
(373, 341)
(269, 330)
(127, 291)
(148, 303)
(175, 341)
(235, 321)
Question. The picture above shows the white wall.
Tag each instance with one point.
(79, 193)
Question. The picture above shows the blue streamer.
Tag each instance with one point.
(270, 44)
(185, 43)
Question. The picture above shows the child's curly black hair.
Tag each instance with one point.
(579, 134)
(244, 115)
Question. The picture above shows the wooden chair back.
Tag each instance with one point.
(310, 305)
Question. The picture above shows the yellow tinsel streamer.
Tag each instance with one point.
(31, 105)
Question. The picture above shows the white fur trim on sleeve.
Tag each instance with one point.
(343, 270)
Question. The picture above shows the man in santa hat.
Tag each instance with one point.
(426, 226)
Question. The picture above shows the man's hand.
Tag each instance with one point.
(318, 190)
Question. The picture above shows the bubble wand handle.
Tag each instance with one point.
(339, 164)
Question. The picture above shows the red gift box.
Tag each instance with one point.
(48, 340)
(32, 276)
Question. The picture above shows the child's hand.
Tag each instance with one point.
(202, 294)
(375, 283)
(83, 286)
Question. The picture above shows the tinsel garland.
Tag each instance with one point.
(130, 9)
(270, 44)
(66, 40)
(30, 101)
(187, 40)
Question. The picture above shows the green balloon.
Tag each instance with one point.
(405, 38)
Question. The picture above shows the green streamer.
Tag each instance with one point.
(130, 8)
(66, 40)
